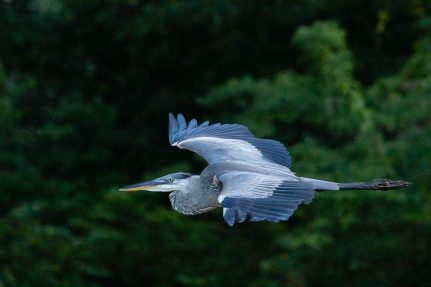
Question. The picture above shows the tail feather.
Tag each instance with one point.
(321, 184)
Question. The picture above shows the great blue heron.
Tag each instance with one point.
(250, 178)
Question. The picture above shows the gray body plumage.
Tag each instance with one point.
(250, 178)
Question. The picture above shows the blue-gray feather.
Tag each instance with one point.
(192, 124)
(182, 125)
(263, 200)
(271, 150)
(173, 128)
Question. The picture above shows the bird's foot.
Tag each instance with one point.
(385, 184)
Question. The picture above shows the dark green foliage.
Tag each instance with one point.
(85, 88)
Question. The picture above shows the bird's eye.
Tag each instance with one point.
(171, 179)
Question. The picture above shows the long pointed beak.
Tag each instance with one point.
(152, 185)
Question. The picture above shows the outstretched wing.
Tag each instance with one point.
(221, 142)
(257, 197)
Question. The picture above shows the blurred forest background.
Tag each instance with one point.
(85, 91)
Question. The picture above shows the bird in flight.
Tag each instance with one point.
(250, 178)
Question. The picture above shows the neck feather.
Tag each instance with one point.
(193, 197)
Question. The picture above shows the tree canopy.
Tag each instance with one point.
(85, 91)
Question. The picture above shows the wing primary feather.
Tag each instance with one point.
(173, 128)
(204, 124)
(192, 124)
(182, 124)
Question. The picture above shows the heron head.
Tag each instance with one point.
(167, 183)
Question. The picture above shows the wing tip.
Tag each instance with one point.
(181, 118)
(229, 216)
(172, 128)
